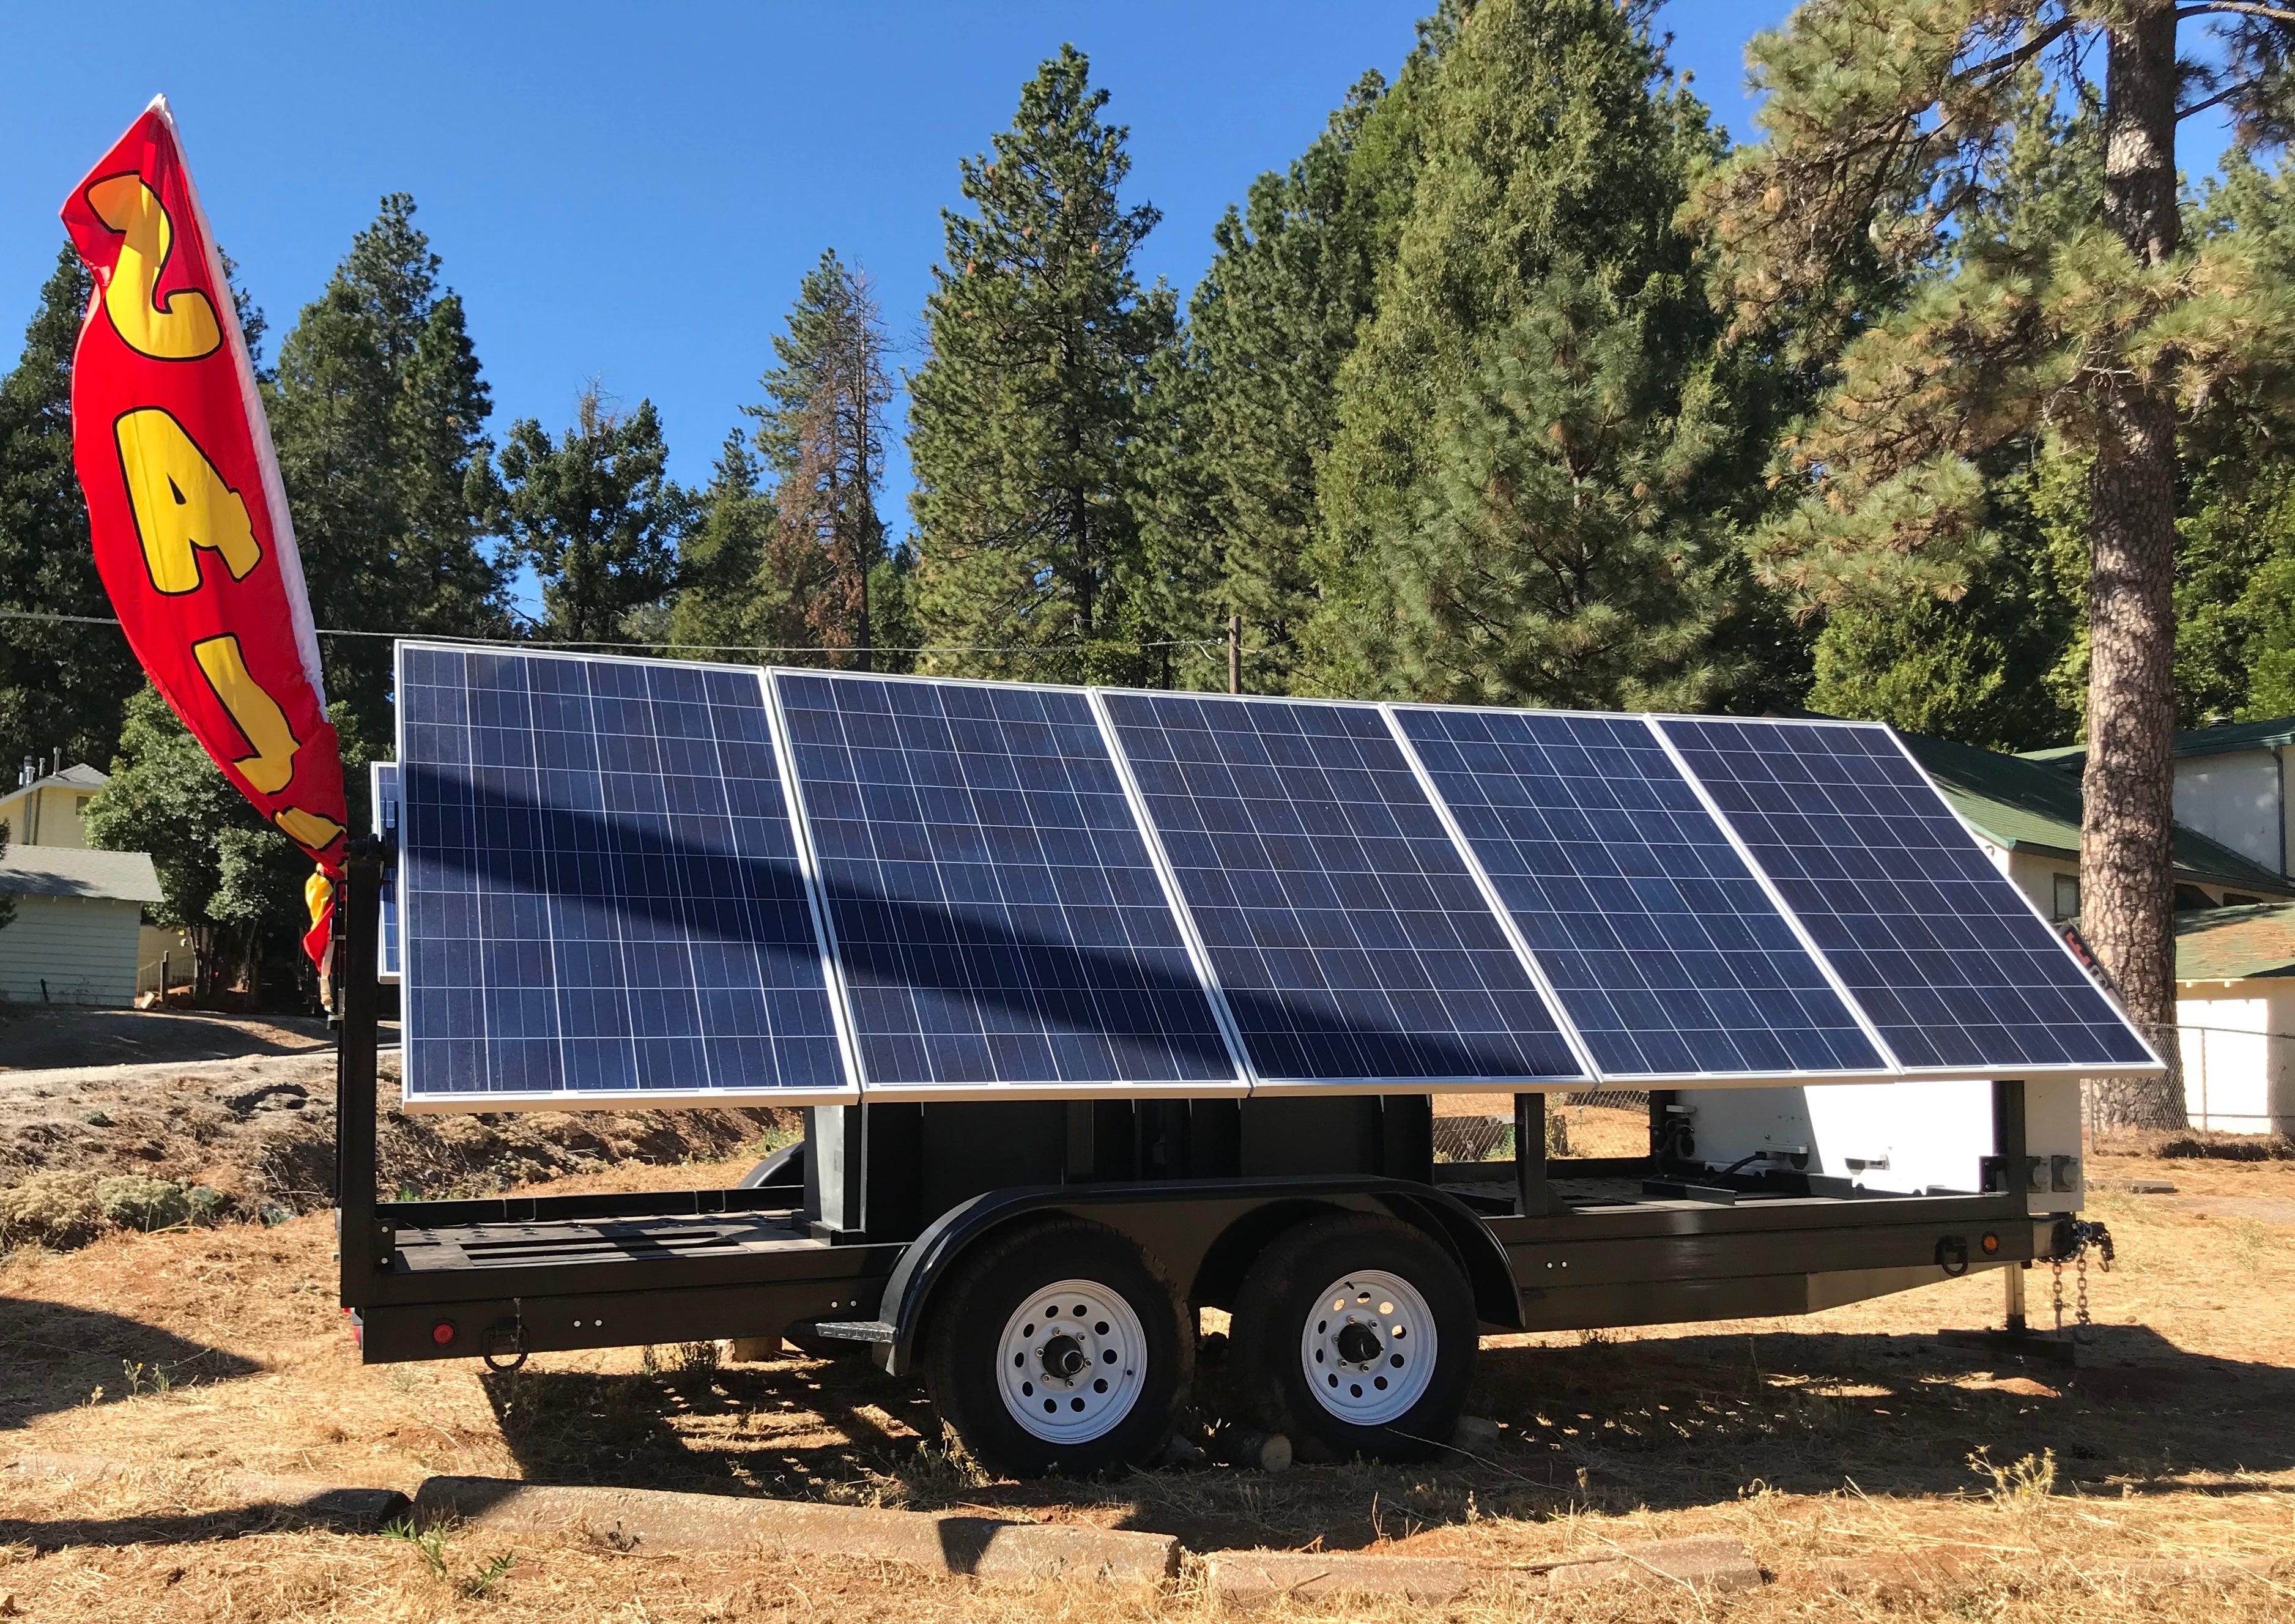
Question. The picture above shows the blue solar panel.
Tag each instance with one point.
(1946, 956)
(382, 791)
(1348, 936)
(601, 885)
(1660, 944)
(997, 915)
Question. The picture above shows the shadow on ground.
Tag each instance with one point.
(1601, 1426)
(54, 1357)
(42, 1037)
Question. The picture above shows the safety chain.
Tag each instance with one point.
(2084, 1236)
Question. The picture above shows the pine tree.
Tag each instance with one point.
(720, 556)
(1025, 411)
(1884, 124)
(378, 413)
(1552, 142)
(1248, 405)
(1560, 553)
(821, 429)
(62, 685)
(597, 515)
(1999, 664)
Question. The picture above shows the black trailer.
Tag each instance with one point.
(1041, 1263)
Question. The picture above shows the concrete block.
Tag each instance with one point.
(942, 1542)
(1705, 1563)
(1248, 1579)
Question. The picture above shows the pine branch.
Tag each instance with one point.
(2238, 8)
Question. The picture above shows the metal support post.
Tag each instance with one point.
(1533, 1194)
(364, 1245)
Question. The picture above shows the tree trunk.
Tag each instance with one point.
(2127, 861)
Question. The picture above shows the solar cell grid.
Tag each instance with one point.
(382, 793)
(600, 883)
(1945, 954)
(1348, 938)
(1660, 944)
(998, 917)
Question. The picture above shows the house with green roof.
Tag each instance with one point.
(2026, 813)
(2234, 904)
(2232, 784)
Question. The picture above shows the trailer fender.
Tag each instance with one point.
(1186, 1229)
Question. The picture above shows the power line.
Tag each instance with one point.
(535, 646)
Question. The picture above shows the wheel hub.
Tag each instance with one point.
(1063, 1357)
(1072, 1361)
(1367, 1348)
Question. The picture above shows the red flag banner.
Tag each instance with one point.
(185, 510)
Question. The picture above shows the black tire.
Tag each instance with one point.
(782, 1169)
(964, 1349)
(1282, 1296)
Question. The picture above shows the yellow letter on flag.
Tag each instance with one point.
(256, 713)
(181, 504)
(184, 328)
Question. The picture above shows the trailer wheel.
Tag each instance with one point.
(1056, 1348)
(1357, 1336)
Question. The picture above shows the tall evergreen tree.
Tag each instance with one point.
(821, 429)
(720, 555)
(1249, 405)
(1553, 146)
(379, 412)
(1999, 664)
(597, 515)
(61, 686)
(1026, 412)
(1882, 121)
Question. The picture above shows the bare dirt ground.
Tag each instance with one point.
(259, 1128)
(1877, 1473)
(36, 1037)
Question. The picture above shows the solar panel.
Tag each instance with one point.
(998, 920)
(1657, 940)
(603, 896)
(382, 792)
(1347, 935)
(1954, 967)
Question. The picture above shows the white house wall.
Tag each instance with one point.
(2239, 1068)
(2235, 798)
(82, 948)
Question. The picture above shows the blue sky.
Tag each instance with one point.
(632, 192)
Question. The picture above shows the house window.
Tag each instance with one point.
(2066, 904)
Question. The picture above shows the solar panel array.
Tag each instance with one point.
(1657, 938)
(1949, 960)
(625, 878)
(997, 915)
(601, 885)
(1343, 927)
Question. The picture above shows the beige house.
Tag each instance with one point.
(80, 936)
(46, 810)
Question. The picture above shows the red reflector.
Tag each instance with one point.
(442, 1331)
(1991, 1244)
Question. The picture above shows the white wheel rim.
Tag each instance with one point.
(1071, 1361)
(1369, 1347)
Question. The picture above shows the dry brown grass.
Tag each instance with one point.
(1838, 1448)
